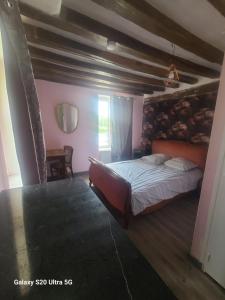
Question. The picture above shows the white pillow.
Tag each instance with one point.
(181, 164)
(156, 159)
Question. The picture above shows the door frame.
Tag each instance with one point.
(211, 211)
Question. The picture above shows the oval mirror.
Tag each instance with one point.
(67, 117)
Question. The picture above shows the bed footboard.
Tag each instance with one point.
(113, 190)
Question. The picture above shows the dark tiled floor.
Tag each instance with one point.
(61, 231)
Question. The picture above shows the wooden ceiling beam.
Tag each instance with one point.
(131, 46)
(198, 90)
(219, 5)
(146, 16)
(95, 70)
(49, 76)
(85, 27)
(54, 21)
(98, 78)
(48, 39)
(64, 73)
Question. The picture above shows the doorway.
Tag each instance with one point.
(214, 262)
(10, 176)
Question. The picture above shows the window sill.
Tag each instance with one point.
(104, 149)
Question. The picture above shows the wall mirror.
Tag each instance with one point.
(66, 117)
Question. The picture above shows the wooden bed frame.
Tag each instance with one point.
(115, 191)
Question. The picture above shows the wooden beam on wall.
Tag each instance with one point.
(48, 39)
(48, 67)
(85, 27)
(94, 69)
(198, 90)
(146, 16)
(219, 5)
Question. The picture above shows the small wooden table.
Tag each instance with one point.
(56, 155)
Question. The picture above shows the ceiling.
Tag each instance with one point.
(199, 17)
(194, 20)
(71, 45)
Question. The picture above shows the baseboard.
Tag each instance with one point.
(196, 262)
(81, 173)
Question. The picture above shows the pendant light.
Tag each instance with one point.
(173, 75)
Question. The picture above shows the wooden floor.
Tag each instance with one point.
(164, 238)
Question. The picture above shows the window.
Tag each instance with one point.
(104, 134)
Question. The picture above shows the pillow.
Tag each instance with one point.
(181, 164)
(156, 159)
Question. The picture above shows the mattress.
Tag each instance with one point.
(152, 184)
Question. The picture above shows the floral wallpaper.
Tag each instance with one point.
(189, 119)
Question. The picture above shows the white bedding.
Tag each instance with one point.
(152, 184)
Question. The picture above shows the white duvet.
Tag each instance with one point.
(152, 184)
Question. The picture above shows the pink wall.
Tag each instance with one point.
(84, 139)
(212, 164)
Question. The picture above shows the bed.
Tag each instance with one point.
(135, 187)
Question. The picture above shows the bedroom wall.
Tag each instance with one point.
(84, 139)
(188, 119)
